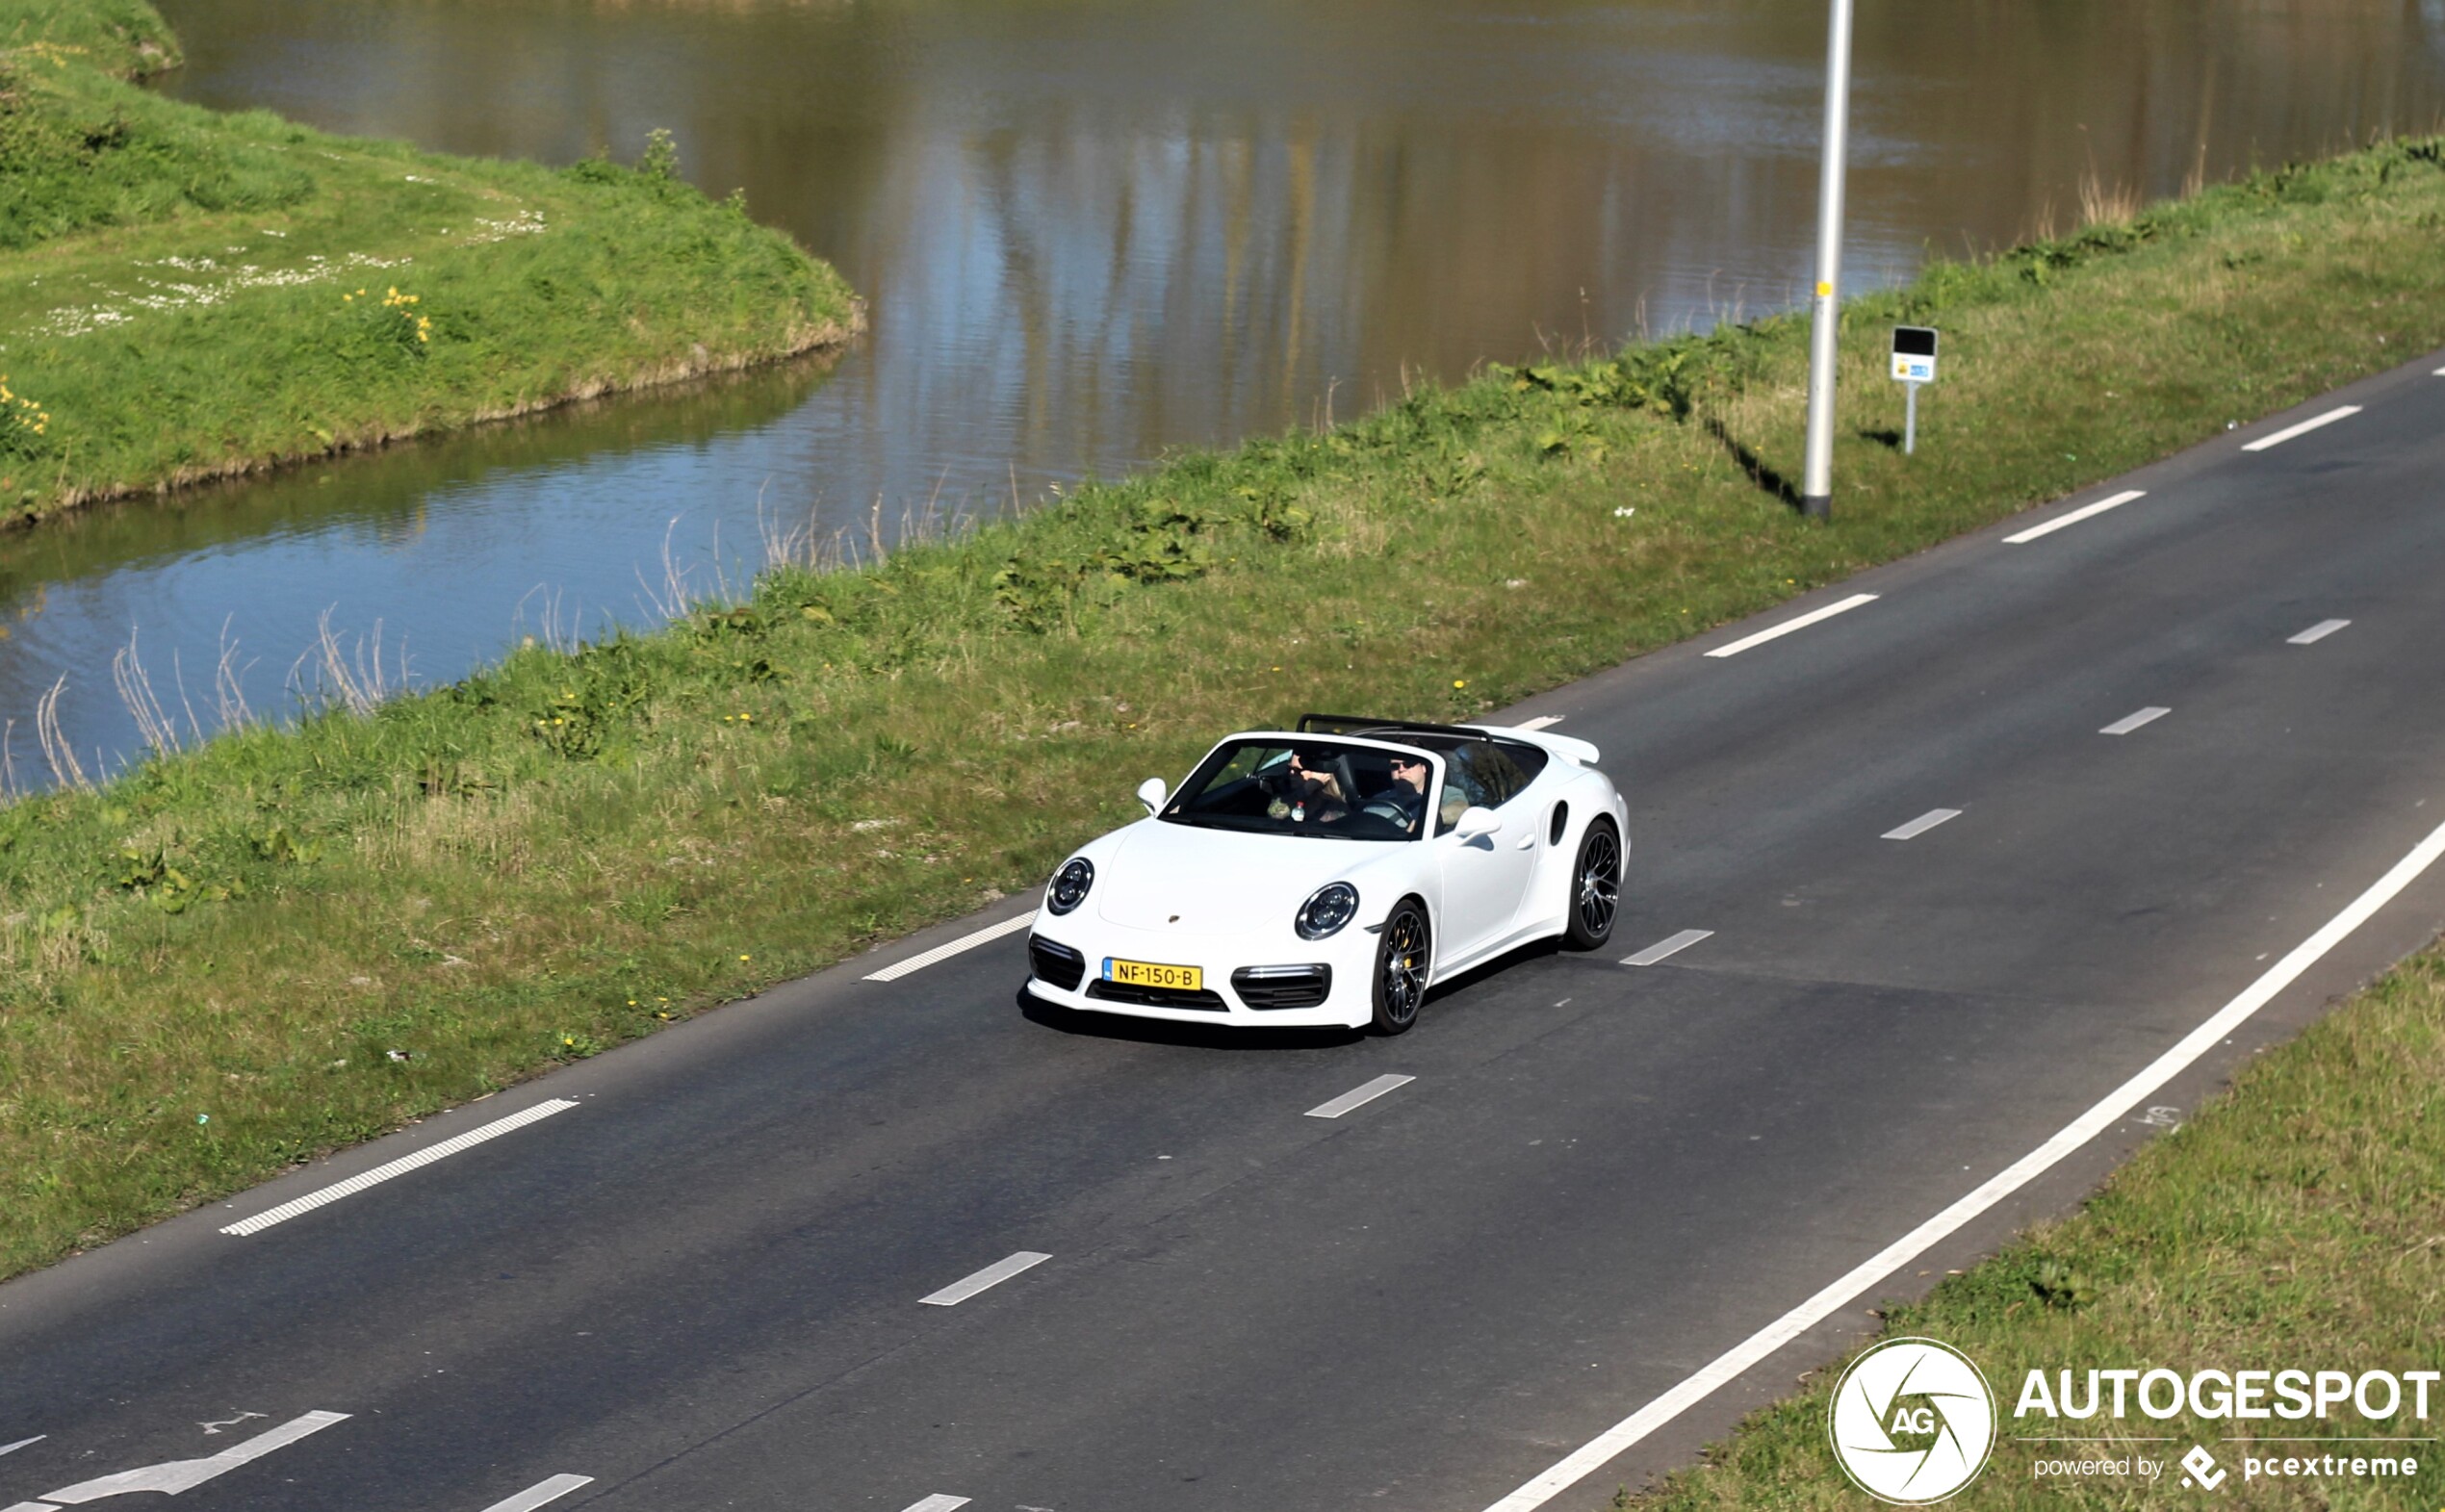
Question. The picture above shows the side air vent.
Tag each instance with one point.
(1055, 965)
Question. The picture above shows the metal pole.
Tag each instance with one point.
(1817, 485)
(1910, 418)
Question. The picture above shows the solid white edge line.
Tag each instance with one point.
(398, 1168)
(992, 1275)
(2316, 632)
(541, 1492)
(937, 1502)
(1669, 945)
(1359, 1097)
(2075, 516)
(2134, 720)
(1802, 623)
(1921, 825)
(1541, 721)
(2342, 412)
(12, 1448)
(991, 931)
(1730, 1366)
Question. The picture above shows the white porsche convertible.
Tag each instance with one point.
(1331, 874)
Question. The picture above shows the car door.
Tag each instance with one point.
(1485, 878)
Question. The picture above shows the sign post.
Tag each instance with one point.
(1914, 365)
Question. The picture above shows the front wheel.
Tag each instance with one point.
(1596, 887)
(1403, 952)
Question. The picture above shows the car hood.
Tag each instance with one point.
(1173, 877)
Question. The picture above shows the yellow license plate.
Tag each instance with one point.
(1149, 974)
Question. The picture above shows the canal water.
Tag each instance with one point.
(1095, 231)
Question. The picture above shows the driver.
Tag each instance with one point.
(1404, 802)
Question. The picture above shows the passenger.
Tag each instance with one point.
(1316, 795)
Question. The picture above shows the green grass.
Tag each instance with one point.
(187, 294)
(2293, 1223)
(239, 956)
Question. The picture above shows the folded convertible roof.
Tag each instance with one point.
(1355, 725)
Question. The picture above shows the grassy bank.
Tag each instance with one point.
(187, 294)
(2293, 1223)
(243, 953)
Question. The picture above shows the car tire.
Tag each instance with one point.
(1404, 955)
(1596, 887)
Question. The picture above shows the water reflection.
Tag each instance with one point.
(1090, 230)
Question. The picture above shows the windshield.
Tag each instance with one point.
(1313, 790)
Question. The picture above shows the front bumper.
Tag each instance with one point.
(1290, 983)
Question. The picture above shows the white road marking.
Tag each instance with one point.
(398, 1168)
(2317, 632)
(172, 1477)
(991, 931)
(1922, 824)
(2130, 722)
(937, 1502)
(30, 1507)
(1803, 622)
(1359, 1097)
(2074, 517)
(992, 1275)
(1732, 1363)
(12, 1448)
(2344, 412)
(1541, 721)
(1670, 944)
(541, 1492)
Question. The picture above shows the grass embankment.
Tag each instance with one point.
(2297, 1222)
(305, 936)
(187, 294)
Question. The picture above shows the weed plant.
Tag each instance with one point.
(185, 293)
(234, 957)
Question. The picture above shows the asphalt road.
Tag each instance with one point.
(699, 1284)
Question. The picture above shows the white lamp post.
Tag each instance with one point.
(1816, 477)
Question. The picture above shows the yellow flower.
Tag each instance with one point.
(1459, 682)
(742, 958)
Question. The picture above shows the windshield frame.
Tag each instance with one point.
(1217, 758)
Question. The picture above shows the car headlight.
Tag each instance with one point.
(1069, 884)
(1329, 907)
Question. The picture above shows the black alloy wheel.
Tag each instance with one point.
(1404, 954)
(1596, 887)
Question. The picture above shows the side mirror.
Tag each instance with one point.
(1477, 822)
(1151, 793)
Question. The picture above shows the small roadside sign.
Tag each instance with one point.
(1914, 354)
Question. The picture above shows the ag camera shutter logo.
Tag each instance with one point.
(1912, 1422)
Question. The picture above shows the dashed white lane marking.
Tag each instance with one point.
(1541, 721)
(12, 1448)
(2316, 632)
(2074, 517)
(172, 1477)
(2132, 721)
(541, 1492)
(990, 932)
(1593, 1456)
(937, 1502)
(398, 1168)
(2343, 412)
(1670, 944)
(1803, 622)
(992, 1275)
(1922, 824)
(1359, 1097)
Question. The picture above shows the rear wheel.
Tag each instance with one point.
(1596, 887)
(1403, 954)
